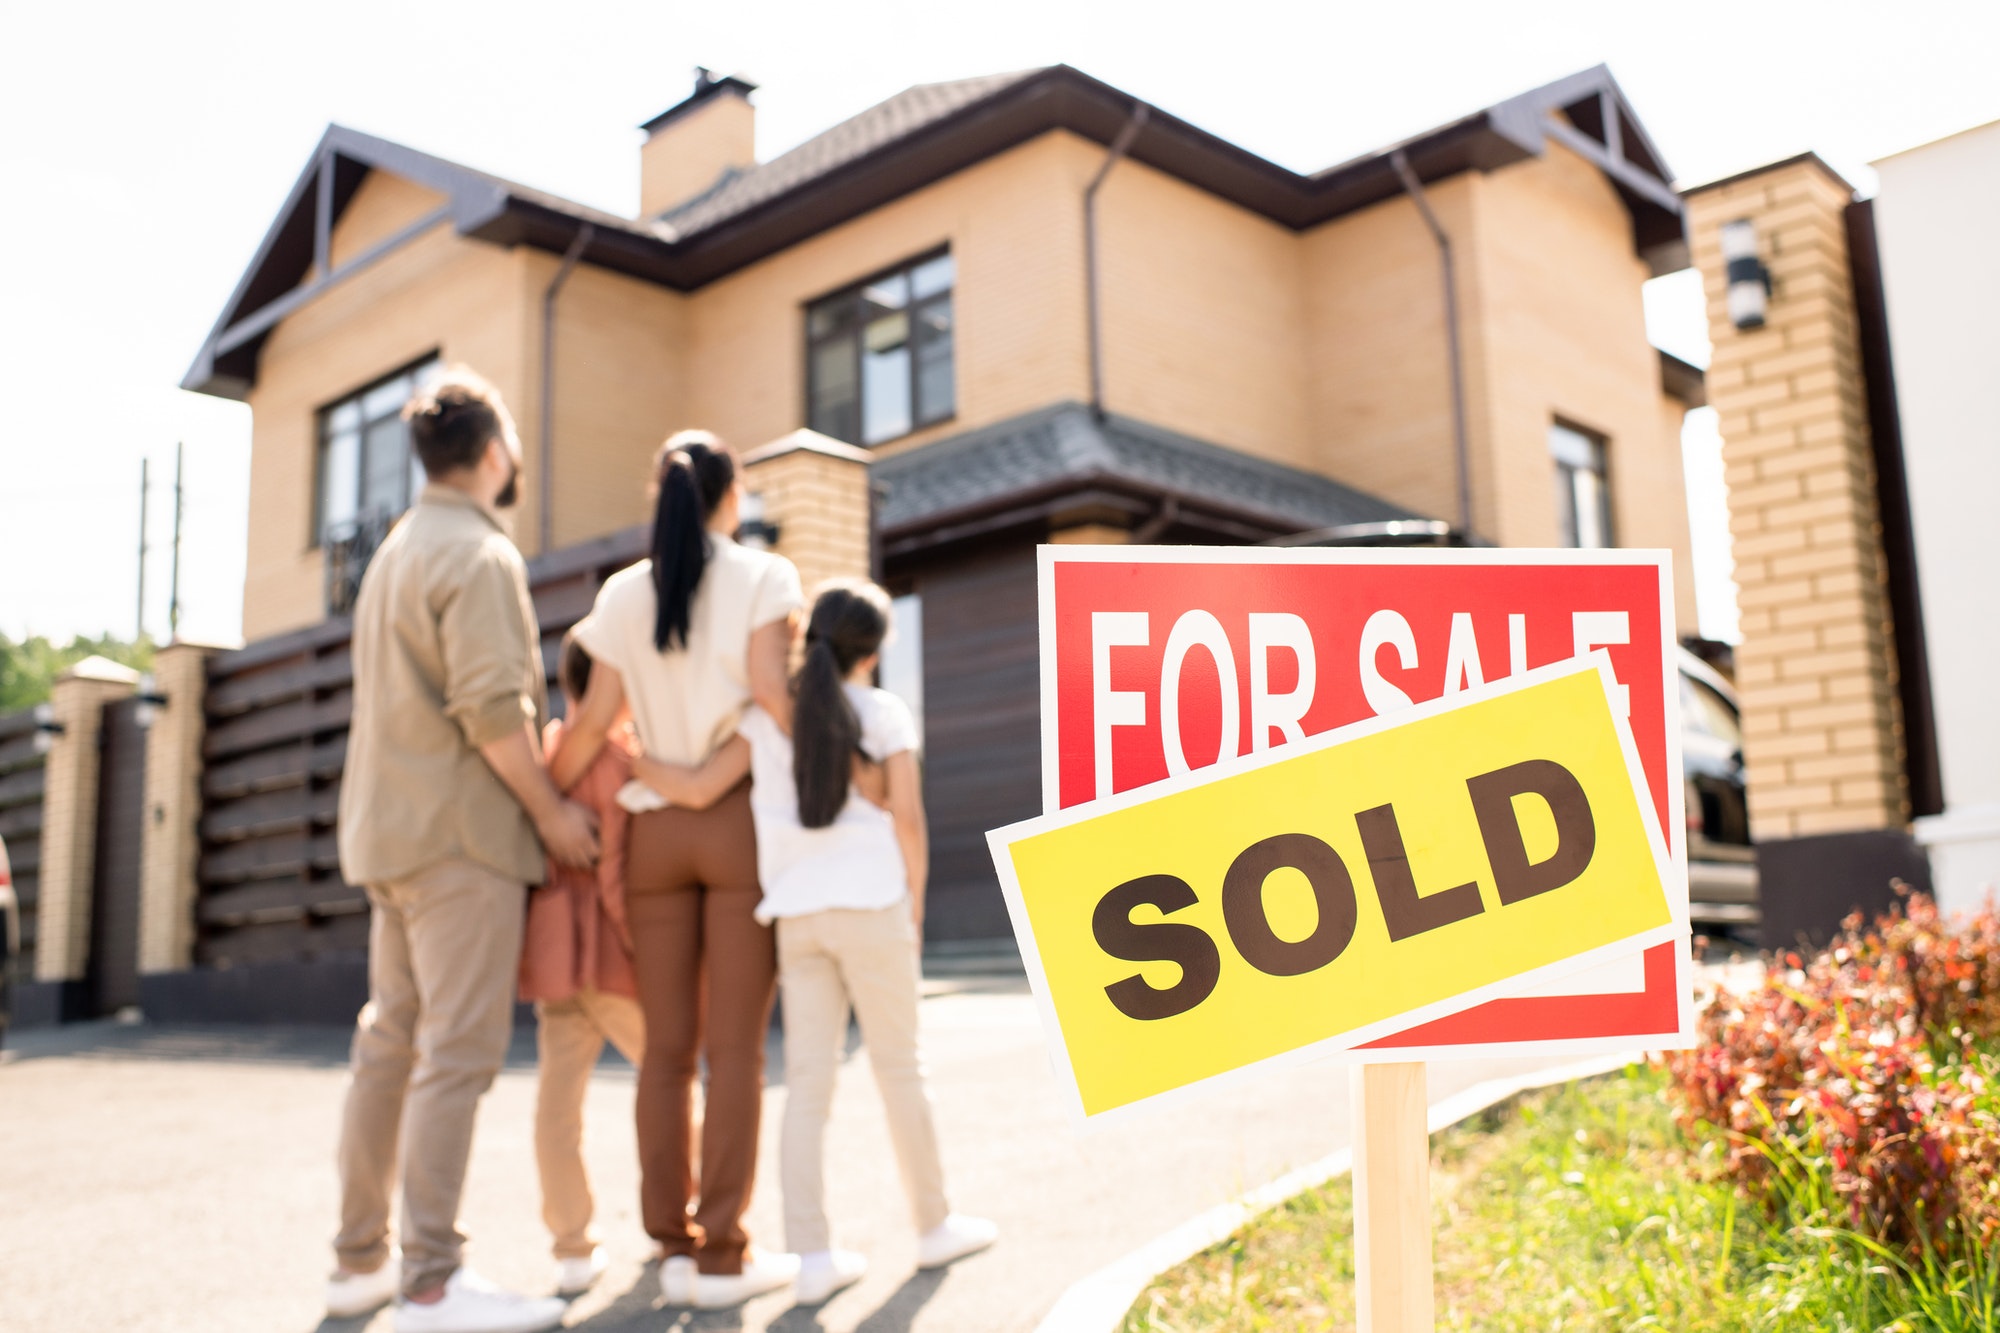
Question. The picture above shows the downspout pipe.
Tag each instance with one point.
(546, 472)
(1415, 189)
(1092, 298)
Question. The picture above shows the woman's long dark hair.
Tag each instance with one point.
(691, 474)
(850, 618)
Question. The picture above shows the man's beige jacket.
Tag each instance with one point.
(447, 658)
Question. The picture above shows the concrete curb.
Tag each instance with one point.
(1097, 1303)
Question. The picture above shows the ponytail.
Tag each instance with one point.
(692, 472)
(850, 618)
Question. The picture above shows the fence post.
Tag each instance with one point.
(69, 815)
(170, 843)
(815, 491)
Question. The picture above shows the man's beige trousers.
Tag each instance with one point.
(570, 1035)
(827, 961)
(444, 948)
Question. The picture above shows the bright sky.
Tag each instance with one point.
(146, 147)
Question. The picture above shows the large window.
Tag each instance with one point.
(879, 356)
(367, 471)
(1583, 501)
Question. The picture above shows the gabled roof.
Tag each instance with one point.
(1052, 456)
(881, 125)
(900, 145)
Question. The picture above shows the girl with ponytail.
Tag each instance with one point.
(844, 880)
(687, 639)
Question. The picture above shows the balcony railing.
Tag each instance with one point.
(349, 547)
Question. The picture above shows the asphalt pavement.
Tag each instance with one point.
(182, 1179)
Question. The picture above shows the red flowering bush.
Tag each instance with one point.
(1861, 1077)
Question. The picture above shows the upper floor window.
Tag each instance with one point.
(1583, 501)
(368, 473)
(879, 355)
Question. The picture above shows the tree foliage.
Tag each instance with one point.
(28, 667)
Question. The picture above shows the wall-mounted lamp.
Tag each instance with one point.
(752, 528)
(46, 728)
(1749, 281)
(151, 701)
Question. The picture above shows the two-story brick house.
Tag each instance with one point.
(1035, 310)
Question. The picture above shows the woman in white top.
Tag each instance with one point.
(687, 639)
(844, 880)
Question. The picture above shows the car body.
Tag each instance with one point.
(1722, 864)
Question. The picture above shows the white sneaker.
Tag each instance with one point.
(471, 1304)
(824, 1272)
(954, 1238)
(575, 1275)
(762, 1272)
(677, 1280)
(351, 1295)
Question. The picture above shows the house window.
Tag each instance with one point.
(1583, 501)
(879, 355)
(368, 473)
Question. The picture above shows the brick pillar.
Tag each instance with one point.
(815, 489)
(1816, 671)
(169, 842)
(69, 815)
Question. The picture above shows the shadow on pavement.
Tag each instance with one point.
(354, 1325)
(896, 1314)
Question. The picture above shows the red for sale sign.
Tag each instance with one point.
(1157, 661)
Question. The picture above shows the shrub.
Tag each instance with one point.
(1864, 1072)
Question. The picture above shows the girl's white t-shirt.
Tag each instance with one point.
(854, 862)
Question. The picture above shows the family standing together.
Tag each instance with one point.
(708, 827)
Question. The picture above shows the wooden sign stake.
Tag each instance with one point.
(1392, 1200)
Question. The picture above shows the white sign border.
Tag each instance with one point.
(1346, 1047)
(1048, 556)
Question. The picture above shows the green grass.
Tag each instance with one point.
(1581, 1208)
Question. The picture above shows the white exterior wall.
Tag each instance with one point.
(1938, 212)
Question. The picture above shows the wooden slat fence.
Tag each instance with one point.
(269, 875)
(21, 787)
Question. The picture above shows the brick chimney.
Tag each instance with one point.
(690, 145)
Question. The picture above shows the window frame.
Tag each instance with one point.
(854, 335)
(1567, 517)
(322, 435)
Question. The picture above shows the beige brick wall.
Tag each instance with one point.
(1325, 350)
(620, 389)
(1378, 377)
(689, 153)
(1561, 333)
(1090, 534)
(69, 816)
(1204, 313)
(441, 293)
(816, 490)
(384, 205)
(1816, 669)
(1553, 327)
(1015, 225)
(169, 844)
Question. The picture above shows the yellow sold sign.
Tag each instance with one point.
(1337, 889)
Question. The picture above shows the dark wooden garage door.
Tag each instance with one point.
(113, 979)
(982, 729)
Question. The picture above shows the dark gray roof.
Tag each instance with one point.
(904, 144)
(884, 123)
(1068, 447)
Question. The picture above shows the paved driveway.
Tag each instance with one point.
(181, 1179)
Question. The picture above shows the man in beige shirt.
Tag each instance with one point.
(445, 811)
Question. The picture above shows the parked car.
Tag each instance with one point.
(1722, 865)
